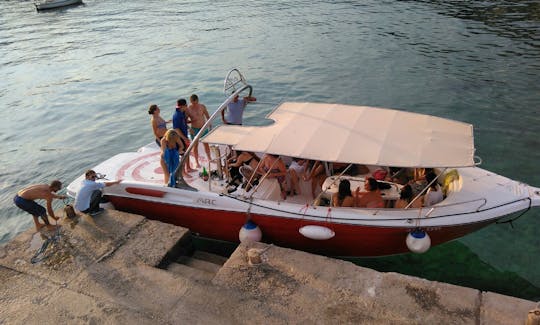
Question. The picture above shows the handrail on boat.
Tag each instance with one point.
(180, 182)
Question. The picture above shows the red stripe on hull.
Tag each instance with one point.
(350, 240)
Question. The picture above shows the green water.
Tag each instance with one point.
(76, 85)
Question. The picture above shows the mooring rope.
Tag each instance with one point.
(40, 254)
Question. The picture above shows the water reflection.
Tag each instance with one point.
(506, 18)
(454, 263)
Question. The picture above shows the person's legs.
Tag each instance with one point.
(35, 210)
(46, 221)
(95, 200)
(165, 171)
(207, 149)
(37, 224)
(196, 154)
(294, 182)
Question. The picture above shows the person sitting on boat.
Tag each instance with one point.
(90, 196)
(159, 125)
(242, 167)
(316, 174)
(405, 197)
(371, 198)
(198, 115)
(171, 148)
(296, 169)
(272, 166)
(434, 193)
(343, 197)
(418, 183)
(400, 176)
(235, 110)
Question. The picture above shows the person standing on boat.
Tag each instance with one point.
(159, 125)
(171, 148)
(198, 115)
(24, 200)
(89, 195)
(235, 110)
(180, 125)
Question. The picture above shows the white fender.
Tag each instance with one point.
(418, 241)
(317, 232)
(250, 232)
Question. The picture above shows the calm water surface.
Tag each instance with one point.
(76, 84)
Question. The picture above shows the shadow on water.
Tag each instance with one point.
(452, 263)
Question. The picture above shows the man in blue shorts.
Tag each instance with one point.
(24, 200)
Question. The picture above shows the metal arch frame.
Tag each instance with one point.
(180, 182)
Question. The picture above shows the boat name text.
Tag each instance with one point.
(206, 201)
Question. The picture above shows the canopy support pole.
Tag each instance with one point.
(180, 182)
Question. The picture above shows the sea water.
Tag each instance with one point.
(76, 84)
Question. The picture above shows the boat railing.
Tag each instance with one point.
(483, 202)
(180, 182)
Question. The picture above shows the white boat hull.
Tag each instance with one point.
(481, 198)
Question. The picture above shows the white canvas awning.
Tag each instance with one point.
(355, 134)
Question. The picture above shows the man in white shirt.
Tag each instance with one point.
(89, 195)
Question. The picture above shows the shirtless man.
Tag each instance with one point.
(25, 201)
(198, 114)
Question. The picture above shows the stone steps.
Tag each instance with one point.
(201, 266)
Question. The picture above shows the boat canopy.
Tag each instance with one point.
(355, 134)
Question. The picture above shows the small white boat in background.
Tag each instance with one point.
(52, 4)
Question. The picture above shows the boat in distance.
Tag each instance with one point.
(53, 4)
(331, 134)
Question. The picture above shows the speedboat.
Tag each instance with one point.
(330, 134)
(52, 4)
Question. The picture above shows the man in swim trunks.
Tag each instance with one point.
(25, 200)
(198, 114)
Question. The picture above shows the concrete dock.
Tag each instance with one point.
(120, 268)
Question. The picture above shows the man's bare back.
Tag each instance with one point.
(25, 201)
(36, 192)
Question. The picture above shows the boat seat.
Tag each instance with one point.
(268, 190)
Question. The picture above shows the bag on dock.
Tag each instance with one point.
(69, 211)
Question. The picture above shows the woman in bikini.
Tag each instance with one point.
(159, 125)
